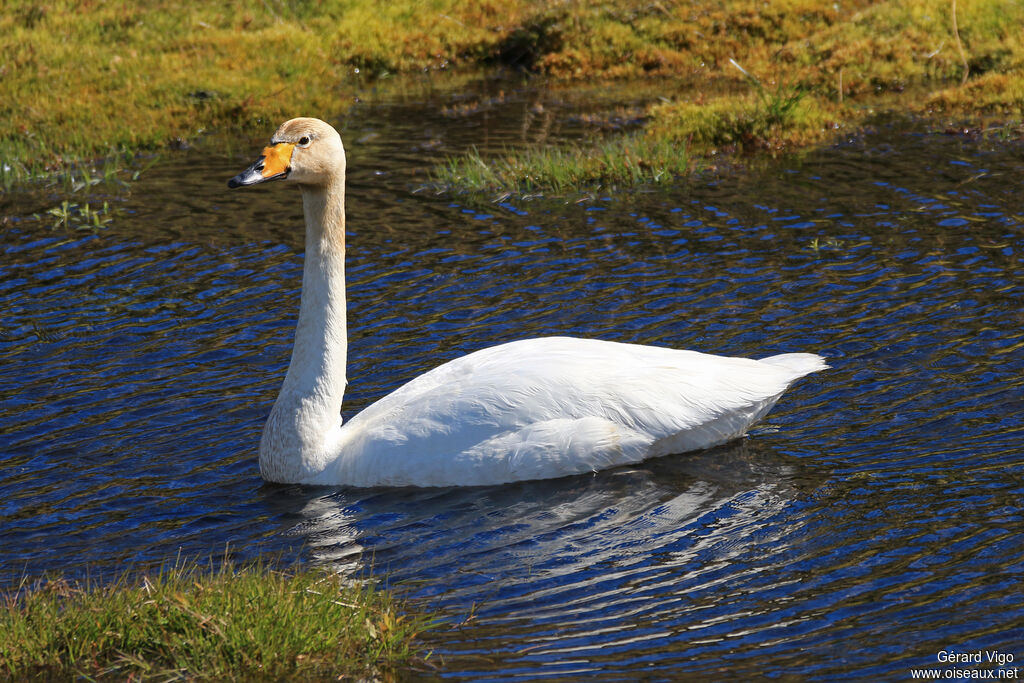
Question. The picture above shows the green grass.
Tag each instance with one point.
(775, 119)
(83, 216)
(232, 623)
(624, 160)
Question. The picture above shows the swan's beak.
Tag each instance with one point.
(274, 164)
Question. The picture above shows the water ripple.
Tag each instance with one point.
(873, 519)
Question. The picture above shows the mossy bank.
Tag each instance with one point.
(94, 78)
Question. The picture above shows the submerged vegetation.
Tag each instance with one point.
(81, 80)
(232, 623)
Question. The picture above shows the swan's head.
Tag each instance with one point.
(307, 151)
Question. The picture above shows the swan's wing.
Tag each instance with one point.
(555, 406)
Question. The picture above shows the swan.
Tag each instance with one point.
(530, 409)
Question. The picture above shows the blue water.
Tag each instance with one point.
(873, 520)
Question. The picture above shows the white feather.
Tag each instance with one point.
(551, 407)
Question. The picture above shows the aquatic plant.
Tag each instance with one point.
(233, 622)
(112, 173)
(80, 216)
(631, 159)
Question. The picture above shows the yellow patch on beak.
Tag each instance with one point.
(277, 159)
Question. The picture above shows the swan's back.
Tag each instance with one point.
(555, 406)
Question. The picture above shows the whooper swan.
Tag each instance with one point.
(530, 409)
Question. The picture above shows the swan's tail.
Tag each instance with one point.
(799, 364)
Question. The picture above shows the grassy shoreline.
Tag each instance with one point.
(230, 623)
(82, 80)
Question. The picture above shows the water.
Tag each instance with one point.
(873, 520)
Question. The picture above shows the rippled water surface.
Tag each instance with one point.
(872, 520)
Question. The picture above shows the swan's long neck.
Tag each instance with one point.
(307, 414)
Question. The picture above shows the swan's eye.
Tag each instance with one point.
(304, 141)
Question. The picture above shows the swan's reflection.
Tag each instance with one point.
(533, 545)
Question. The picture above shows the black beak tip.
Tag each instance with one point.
(250, 176)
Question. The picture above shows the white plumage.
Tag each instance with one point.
(531, 409)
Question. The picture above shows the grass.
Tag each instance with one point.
(81, 80)
(624, 160)
(231, 623)
(776, 119)
(84, 216)
(746, 77)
